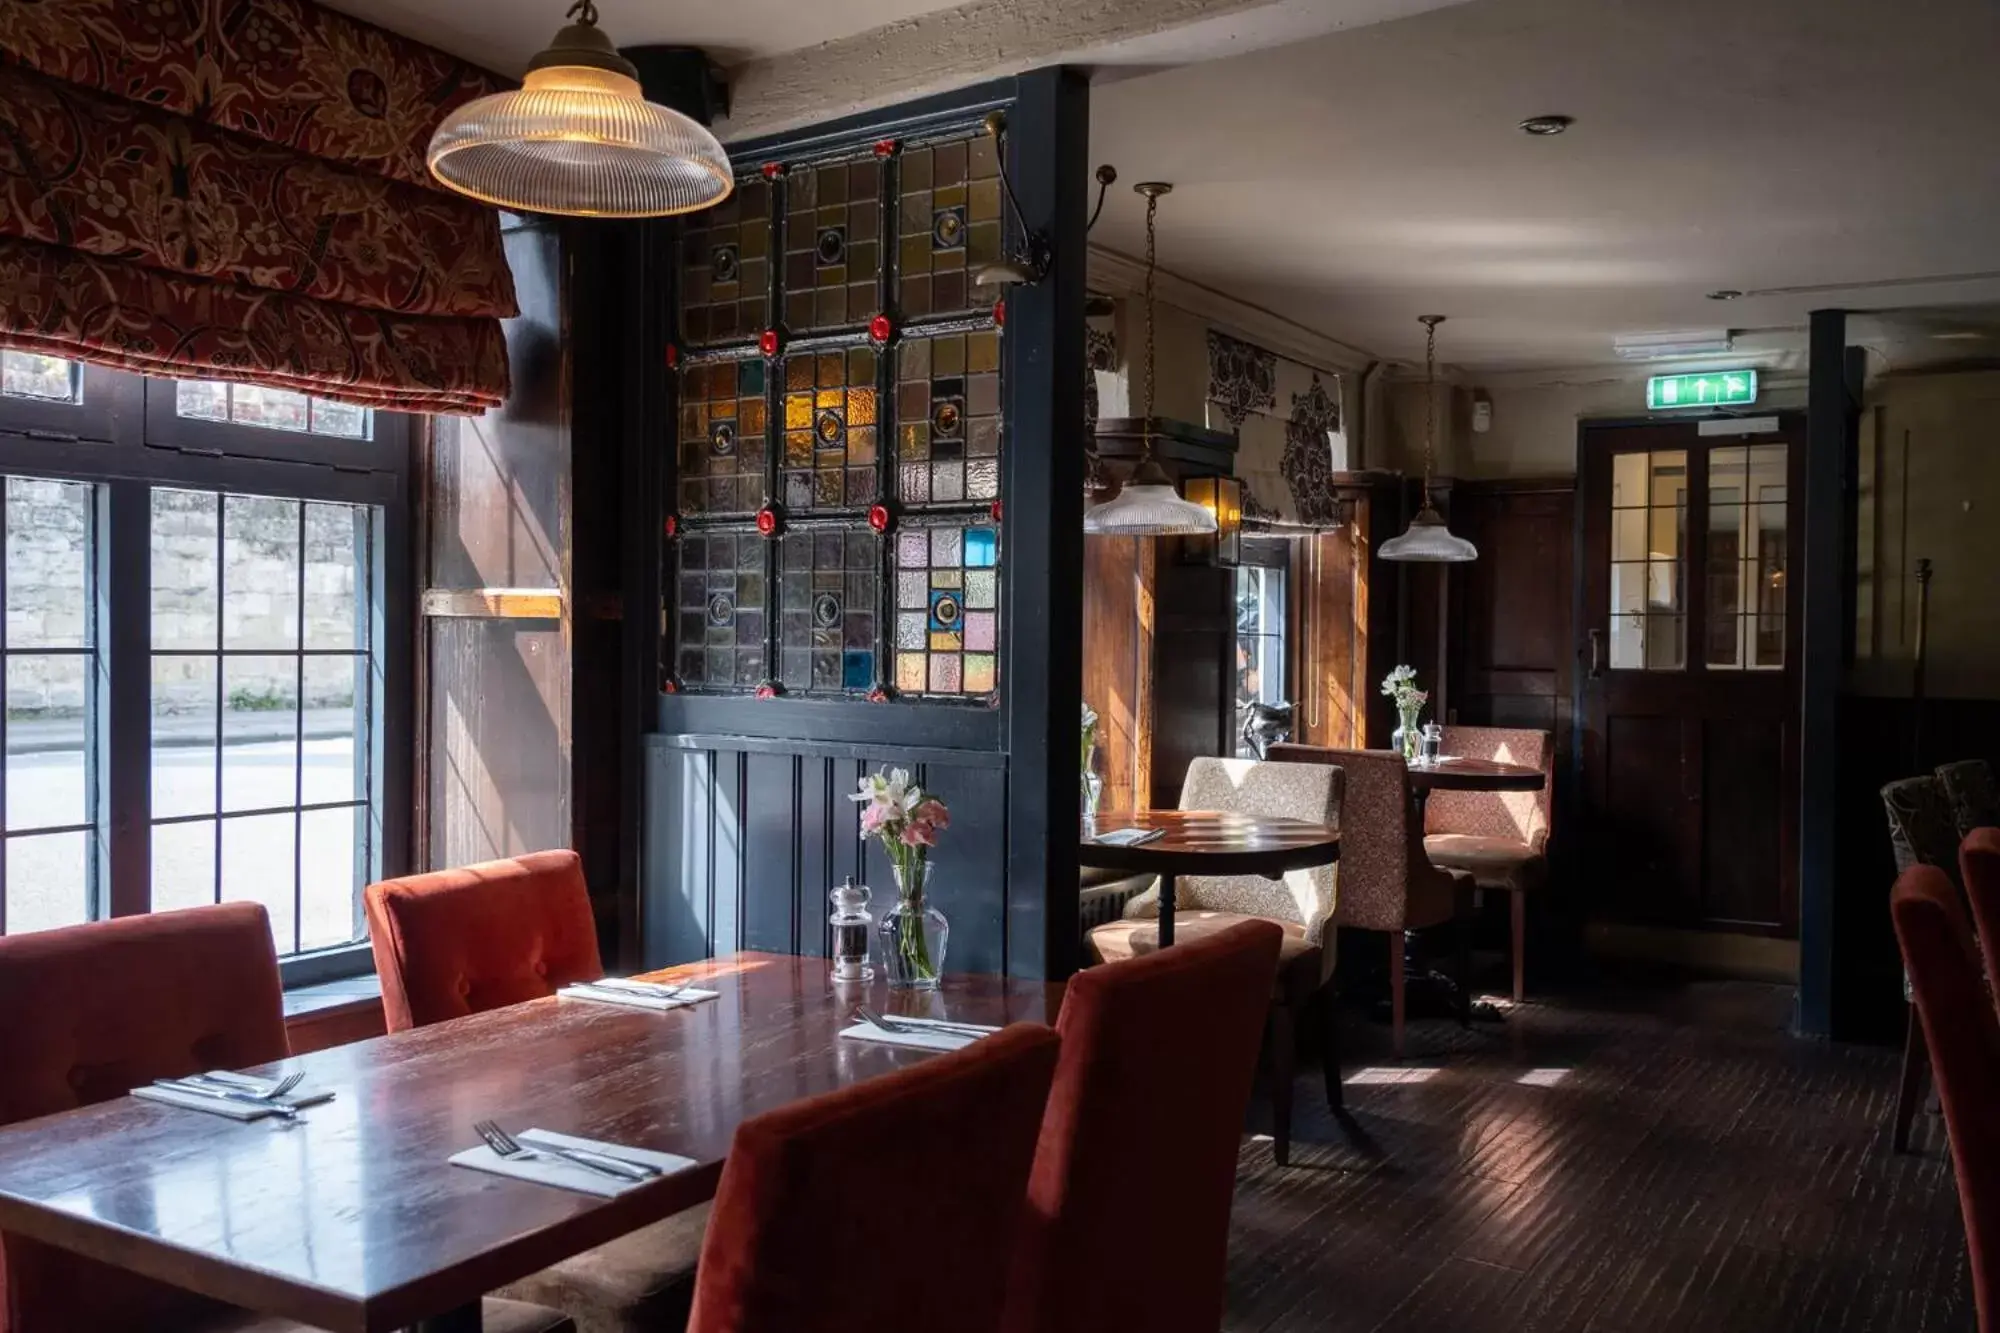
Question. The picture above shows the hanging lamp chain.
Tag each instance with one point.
(1152, 265)
(1430, 400)
(584, 12)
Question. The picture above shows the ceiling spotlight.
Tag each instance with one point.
(1724, 294)
(1544, 126)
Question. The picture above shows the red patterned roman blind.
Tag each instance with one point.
(235, 189)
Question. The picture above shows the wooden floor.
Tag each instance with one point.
(1660, 1159)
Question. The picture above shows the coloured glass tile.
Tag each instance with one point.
(947, 625)
(948, 223)
(833, 244)
(831, 428)
(726, 267)
(828, 594)
(722, 437)
(719, 610)
(948, 419)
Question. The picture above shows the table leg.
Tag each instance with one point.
(465, 1319)
(1166, 910)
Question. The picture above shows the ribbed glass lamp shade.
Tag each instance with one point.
(1429, 540)
(581, 141)
(1148, 511)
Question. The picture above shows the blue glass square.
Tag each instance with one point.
(947, 609)
(982, 548)
(857, 670)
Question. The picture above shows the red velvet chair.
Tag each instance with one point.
(114, 1005)
(888, 1205)
(1963, 1034)
(1139, 1144)
(1979, 870)
(458, 942)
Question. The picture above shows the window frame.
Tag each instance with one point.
(1271, 554)
(126, 439)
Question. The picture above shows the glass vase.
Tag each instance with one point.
(913, 932)
(1405, 738)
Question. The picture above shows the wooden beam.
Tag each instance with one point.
(494, 603)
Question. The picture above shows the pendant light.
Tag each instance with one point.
(1427, 538)
(1148, 505)
(579, 138)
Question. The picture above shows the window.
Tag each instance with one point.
(1746, 557)
(49, 873)
(1648, 561)
(262, 681)
(272, 409)
(233, 607)
(1260, 646)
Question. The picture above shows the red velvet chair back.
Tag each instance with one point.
(1127, 1222)
(1963, 1035)
(885, 1206)
(93, 1011)
(458, 942)
(1979, 870)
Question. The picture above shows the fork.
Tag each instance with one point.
(869, 1016)
(223, 1092)
(263, 1090)
(506, 1145)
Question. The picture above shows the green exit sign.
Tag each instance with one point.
(1708, 388)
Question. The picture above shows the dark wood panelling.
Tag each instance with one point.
(743, 841)
(1743, 761)
(1117, 653)
(1644, 812)
(337, 1025)
(1511, 642)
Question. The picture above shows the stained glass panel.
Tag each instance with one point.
(827, 582)
(726, 267)
(948, 222)
(719, 606)
(831, 420)
(948, 419)
(947, 628)
(722, 437)
(833, 244)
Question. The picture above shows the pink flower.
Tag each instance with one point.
(873, 817)
(933, 811)
(918, 833)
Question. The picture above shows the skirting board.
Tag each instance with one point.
(1752, 957)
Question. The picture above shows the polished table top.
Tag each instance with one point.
(1455, 774)
(1211, 842)
(352, 1220)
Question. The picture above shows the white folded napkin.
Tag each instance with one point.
(225, 1106)
(660, 1003)
(568, 1175)
(936, 1034)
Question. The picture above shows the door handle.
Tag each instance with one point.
(1596, 654)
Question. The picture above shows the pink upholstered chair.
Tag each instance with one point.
(1500, 838)
(114, 1005)
(1386, 881)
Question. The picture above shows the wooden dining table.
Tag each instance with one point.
(351, 1219)
(1205, 842)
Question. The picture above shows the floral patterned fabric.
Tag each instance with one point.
(1386, 882)
(288, 72)
(122, 181)
(66, 303)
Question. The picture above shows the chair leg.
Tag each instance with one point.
(1396, 947)
(1462, 927)
(1284, 1059)
(1519, 911)
(1909, 1091)
(1329, 1047)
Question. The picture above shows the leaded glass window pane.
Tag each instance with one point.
(726, 267)
(722, 437)
(833, 244)
(831, 424)
(719, 604)
(948, 223)
(828, 589)
(948, 415)
(947, 624)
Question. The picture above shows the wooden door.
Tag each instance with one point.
(1689, 642)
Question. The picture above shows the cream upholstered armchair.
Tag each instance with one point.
(1302, 902)
(1500, 838)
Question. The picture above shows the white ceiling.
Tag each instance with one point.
(503, 35)
(1355, 181)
